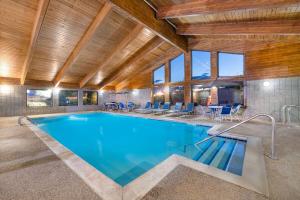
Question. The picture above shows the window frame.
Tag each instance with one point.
(39, 106)
(90, 104)
(160, 66)
(218, 65)
(170, 69)
(68, 90)
(191, 63)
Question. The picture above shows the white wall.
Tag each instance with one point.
(270, 99)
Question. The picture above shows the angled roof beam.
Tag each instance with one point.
(190, 8)
(39, 17)
(278, 27)
(131, 36)
(142, 52)
(139, 11)
(83, 42)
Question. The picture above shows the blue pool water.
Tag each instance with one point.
(124, 147)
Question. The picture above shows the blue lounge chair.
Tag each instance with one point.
(177, 108)
(156, 106)
(130, 106)
(189, 109)
(122, 106)
(164, 108)
(146, 108)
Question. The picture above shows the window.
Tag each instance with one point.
(200, 95)
(39, 98)
(159, 75)
(90, 98)
(231, 64)
(177, 69)
(176, 94)
(230, 95)
(158, 94)
(200, 65)
(68, 98)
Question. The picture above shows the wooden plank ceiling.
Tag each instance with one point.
(99, 43)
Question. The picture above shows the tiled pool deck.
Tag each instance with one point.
(26, 159)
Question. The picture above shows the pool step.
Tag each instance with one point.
(222, 157)
(210, 153)
(235, 164)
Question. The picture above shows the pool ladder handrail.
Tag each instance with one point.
(285, 113)
(20, 120)
(272, 156)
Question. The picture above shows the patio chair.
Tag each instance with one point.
(156, 106)
(235, 112)
(164, 108)
(205, 112)
(177, 108)
(121, 106)
(130, 106)
(146, 108)
(225, 113)
(188, 111)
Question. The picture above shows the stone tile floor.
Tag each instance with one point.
(29, 170)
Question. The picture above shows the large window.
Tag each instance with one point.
(230, 95)
(177, 69)
(68, 98)
(159, 75)
(231, 64)
(200, 95)
(90, 98)
(39, 98)
(200, 65)
(158, 94)
(176, 94)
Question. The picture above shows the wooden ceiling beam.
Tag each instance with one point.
(191, 8)
(139, 11)
(38, 21)
(278, 27)
(105, 10)
(131, 36)
(142, 52)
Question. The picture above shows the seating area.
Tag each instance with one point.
(212, 112)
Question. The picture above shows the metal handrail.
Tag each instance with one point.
(273, 156)
(20, 120)
(284, 112)
(288, 113)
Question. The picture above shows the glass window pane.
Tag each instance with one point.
(158, 94)
(39, 98)
(200, 65)
(177, 69)
(231, 64)
(176, 94)
(68, 98)
(90, 98)
(159, 75)
(231, 95)
(201, 95)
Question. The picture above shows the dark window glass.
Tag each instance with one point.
(200, 95)
(68, 98)
(230, 95)
(90, 98)
(158, 94)
(39, 98)
(231, 64)
(176, 94)
(159, 75)
(200, 65)
(177, 69)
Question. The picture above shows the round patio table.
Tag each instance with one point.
(215, 110)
